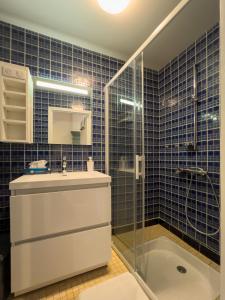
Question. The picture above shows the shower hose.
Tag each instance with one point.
(186, 206)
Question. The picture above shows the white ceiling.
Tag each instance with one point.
(84, 23)
(194, 20)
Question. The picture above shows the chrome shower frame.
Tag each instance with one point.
(222, 146)
(195, 100)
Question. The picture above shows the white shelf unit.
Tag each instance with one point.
(16, 104)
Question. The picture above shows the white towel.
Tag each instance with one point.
(38, 164)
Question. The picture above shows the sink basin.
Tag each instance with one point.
(58, 179)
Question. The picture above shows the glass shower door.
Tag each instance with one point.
(140, 164)
(125, 159)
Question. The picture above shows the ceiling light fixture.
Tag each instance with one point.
(113, 6)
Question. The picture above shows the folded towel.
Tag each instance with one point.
(38, 164)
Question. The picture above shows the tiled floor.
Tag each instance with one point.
(69, 289)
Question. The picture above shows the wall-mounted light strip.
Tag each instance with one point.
(60, 86)
(128, 102)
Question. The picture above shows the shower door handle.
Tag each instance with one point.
(140, 171)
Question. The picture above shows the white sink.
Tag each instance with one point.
(58, 179)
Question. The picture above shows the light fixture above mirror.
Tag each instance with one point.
(60, 86)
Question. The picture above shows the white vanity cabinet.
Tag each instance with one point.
(60, 227)
(16, 104)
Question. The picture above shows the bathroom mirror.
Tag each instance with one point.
(62, 112)
(69, 126)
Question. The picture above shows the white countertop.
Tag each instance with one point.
(58, 179)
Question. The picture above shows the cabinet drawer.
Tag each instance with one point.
(40, 263)
(37, 215)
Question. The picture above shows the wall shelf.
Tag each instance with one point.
(14, 85)
(14, 98)
(14, 122)
(15, 108)
(16, 104)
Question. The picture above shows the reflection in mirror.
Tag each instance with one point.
(67, 112)
(69, 126)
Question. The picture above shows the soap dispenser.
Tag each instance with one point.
(64, 165)
(90, 164)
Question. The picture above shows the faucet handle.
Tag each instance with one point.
(178, 171)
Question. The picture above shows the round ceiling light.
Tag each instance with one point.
(113, 6)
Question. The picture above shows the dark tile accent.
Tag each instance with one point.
(176, 232)
(151, 222)
(192, 242)
(164, 224)
(123, 229)
(210, 254)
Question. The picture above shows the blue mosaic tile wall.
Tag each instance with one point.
(151, 123)
(50, 58)
(166, 128)
(176, 128)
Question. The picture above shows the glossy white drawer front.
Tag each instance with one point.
(46, 261)
(37, 215)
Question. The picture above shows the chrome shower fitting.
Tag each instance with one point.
(191, 146)
(198, 171)
(194, 95)
(195, 99)
(193, 171)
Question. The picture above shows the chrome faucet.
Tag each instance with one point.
(192, 170)
(64, 165)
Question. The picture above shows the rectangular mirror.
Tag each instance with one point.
(66, 114)
(69, 126)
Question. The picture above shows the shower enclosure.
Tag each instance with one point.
(162, 152)
(126, 157)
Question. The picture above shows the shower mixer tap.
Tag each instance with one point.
(196, 171)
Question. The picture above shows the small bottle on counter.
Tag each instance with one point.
(90, 164)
